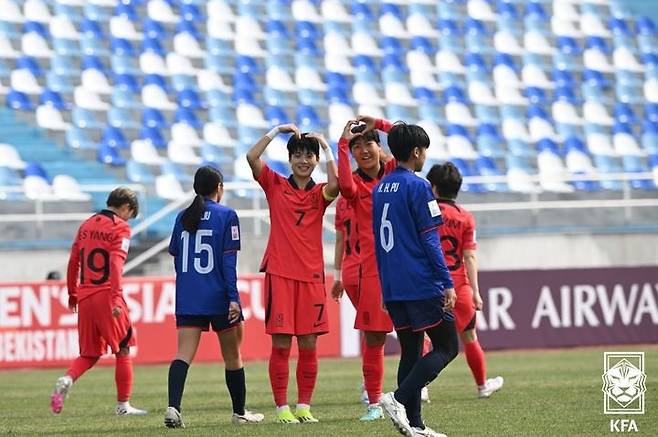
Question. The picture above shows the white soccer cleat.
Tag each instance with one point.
(60, 393)
(490, 387)
(247, 417)
(397, 413)
(125, 409)
(425, 395)
(427, 432)
(173, 418)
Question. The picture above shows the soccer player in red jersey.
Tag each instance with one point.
(94, 287)
(459, 246)
(346, 256)
(356, 187)
(293, 263)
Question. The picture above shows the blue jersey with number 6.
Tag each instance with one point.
(205, 261)
(409, 257)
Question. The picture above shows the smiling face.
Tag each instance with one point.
(303, 163)
(366, 154)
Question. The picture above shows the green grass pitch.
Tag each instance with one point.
(546, 393)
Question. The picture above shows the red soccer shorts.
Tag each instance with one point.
(352, 291)
(98, 328)
(295, 307)
(464, 311)
(370, 315)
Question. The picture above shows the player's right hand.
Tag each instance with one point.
(449, 299)
(116, 311)
(73, 308)
(368, 120)
(289, 128)
(337, 290)
(347, 130)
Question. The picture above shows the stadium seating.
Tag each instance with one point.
(155, 87)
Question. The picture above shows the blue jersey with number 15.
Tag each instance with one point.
(205, 262)
(409, 257)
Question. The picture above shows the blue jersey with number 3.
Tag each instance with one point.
(405, 217)
(205, 262)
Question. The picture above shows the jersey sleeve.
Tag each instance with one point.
(232, 233)
(173, 242)
(346, 184)
(72, 272)
(230, 256)
(266, 178)
(425, 210)
(468, 238)
(118, 255)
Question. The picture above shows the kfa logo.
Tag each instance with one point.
(624, 386)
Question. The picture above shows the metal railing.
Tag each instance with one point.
(259, 213)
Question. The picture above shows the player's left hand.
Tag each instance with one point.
(116, 311)
(233, 312)
(449, 299)
(320, 138)
(477, 301)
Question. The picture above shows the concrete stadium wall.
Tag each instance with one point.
(525, 251)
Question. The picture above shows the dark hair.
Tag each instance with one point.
(53, 275)
(403, 138)
(372, 135)
(303, 144)
(446, 178)
(124, 196)
(206, 181)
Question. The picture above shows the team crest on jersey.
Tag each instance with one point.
(434, 208)
(235, 233)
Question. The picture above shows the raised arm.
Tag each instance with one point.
(330, 191)
(254, 154)
(345, 182)
(374, 123)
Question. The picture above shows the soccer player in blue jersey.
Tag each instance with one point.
(205, 242)
(416, 285)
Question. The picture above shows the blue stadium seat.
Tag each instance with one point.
(153, 118)
(308, 119)
(78, 139)
(276, 28)
(95, 12)
(122, 119)
(636, 164)
(125, 99)
(126, 82)
(153, 45)
(171, 168)
(138, 173)
(19, 101)
(646, 26)
(126, 9)
(85, 119)
(486, 166)
(154, 29)
(36, 27)
(110, 156)
(152, 134)
(391, 45)
(489, 141)
(52, 98)
(60, 84)
(190, 12)
(306, 29)
(188, 27)
(113, 137)
(36, 169)
(186, 115)
(31, 64)
(189, 99)
(122, 47)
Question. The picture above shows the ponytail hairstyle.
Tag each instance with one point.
(206, 182)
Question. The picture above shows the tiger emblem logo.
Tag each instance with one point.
(624, 383)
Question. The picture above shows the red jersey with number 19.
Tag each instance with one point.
(457, 234)
(294, 248)
(97, 257)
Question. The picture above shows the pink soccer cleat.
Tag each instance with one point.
(60, 393)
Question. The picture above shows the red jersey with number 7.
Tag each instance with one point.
(457, 234)
(294, 248)
(97, 257)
